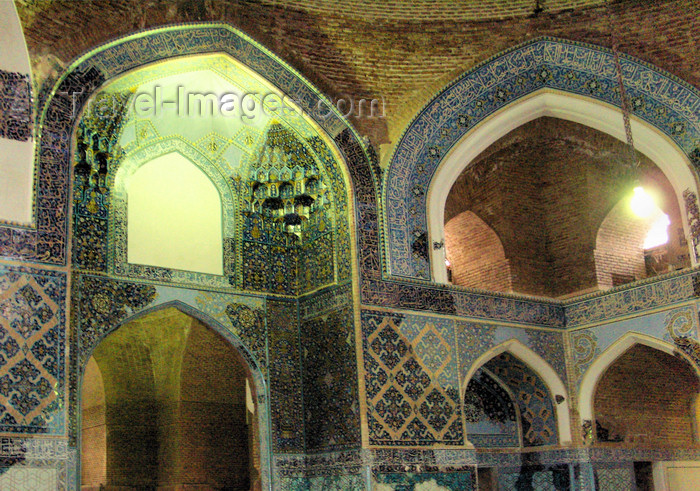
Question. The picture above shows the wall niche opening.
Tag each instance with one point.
(167, 403)
(544, 211)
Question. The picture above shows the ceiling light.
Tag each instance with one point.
(642, 203)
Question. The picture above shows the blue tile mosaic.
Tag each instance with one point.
(411, 380)
(15, 106)
(658, 98)
(32, 351)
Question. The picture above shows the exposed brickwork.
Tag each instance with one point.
(175, 408)
(94, 429)
(545, 189)
(647, 397)
(434, 10)
(619, 250)
(370, 49)
(213, 443)
(476, 254)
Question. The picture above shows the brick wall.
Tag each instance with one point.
(94, 430)
(476, 254)
(401, 51)
(619, 250)
(175, 408)
(213, 443)
(545, 189)
(647, 397)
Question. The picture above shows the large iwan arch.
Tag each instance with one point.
(546, 77)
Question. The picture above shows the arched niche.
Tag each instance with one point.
(598, 367)
(546, 76)
(176, 400)
(174, 215)
(250, 140)
(492, 415)
(67, 101)
(647, 397)
(544, 188)
(545, 373)
(560, 105)
(475, 254)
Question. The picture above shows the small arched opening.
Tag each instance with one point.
(508, 405)
(514, 399)
(167, 402)
(631, 246)
(647, 397)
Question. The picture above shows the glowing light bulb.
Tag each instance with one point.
(642, 203)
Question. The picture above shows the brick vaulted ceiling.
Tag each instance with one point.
(403, 51)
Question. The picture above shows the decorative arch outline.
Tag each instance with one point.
(46, 241)
(117, 242)
(537, 76)
(543, 369)
(597, 369)
(85, 352)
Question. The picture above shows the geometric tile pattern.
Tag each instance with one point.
(27, 477)
(661, 100)
(615, 479)
(537, 414)
(329, 364)
(452, 481)
(412, 394)
(32, 350)
(36, 464)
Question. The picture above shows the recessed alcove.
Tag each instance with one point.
(545, 211)
(647, 398)
(174, 217)
(168, 403)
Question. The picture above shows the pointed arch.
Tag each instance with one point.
(476, 254)
(547, 102)
(46, 241)
(253, 365)
(543, 369)
(119, 203)
(597, 369)
(544, 77)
